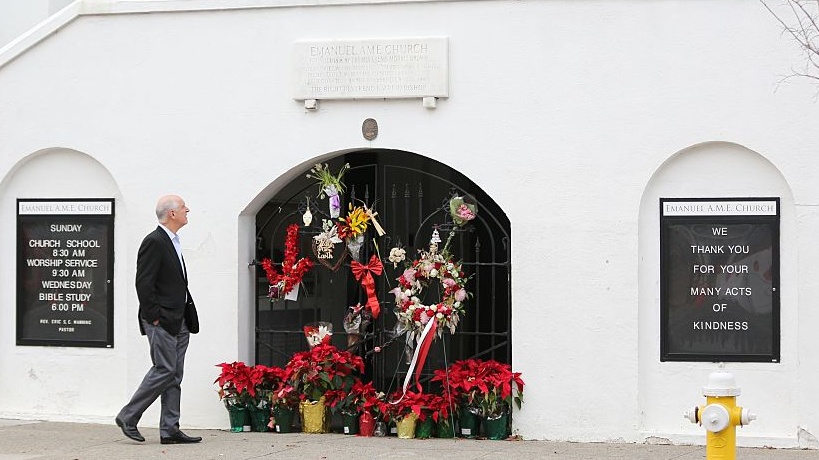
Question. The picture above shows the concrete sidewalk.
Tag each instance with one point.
(23, 440)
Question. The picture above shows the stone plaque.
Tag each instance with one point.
(371, 68)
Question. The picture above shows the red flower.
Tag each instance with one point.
(323, 368)
(484, 385)
(361, 397)
(395, 407)
(440, 405)
(293, 270)
(237, 384)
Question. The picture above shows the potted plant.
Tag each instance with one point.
(485, 389)
(441, 409)
(425, 415)
(261, 380)
(350, 404)
(282, 397)
(370, 410)
(315, 372)
(236, 391)
(403, 409)
(274, 395)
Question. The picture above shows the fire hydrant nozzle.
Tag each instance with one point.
(720, 416)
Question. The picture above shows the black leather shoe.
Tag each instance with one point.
(129, 430)
(179, 438)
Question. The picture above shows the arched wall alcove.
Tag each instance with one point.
(666, 389)
(64, 373)
(410, 193)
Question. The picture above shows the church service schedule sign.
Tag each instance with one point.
(719, 283)
(65, 272)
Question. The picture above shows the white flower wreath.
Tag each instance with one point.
(412, 314)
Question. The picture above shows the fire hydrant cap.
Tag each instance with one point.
(721, 383)
(715, 418)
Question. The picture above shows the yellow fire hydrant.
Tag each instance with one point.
(720, 416)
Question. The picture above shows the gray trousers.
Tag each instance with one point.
(163, 379)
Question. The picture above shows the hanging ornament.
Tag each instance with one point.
(307, 218)
(324, 246)
(433, 242)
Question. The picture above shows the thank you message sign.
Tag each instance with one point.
(719, 269)
(65, 272)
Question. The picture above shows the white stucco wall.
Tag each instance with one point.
(573, 116)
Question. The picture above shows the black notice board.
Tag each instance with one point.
(719, 283)
(65, 272)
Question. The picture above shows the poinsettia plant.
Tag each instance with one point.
(321, 369)
(372, 401)
(440, 406)
(274, 385)
(354, 401)
(236, 384)
(486, 387)
(286, 396)
(399, 405)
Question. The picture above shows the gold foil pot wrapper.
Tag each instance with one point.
(406, 426)
(314, 417)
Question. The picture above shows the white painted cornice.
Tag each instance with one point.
(39, 32)
(101, 7)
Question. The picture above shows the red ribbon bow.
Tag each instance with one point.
(363, 273)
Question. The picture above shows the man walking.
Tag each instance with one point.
(167, 315)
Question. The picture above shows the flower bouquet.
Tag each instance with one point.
(462, 210)
(356, 322)
(330, 185)
(317, 333)
(352, 227)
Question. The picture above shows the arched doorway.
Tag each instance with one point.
(411, 194)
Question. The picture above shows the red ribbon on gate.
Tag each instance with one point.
(364, 274)
(418, 358)
(423, 349)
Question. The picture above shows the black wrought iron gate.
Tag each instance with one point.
(411, 195)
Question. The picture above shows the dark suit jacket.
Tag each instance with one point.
(162, 287)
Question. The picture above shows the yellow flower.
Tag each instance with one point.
(357, 220)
